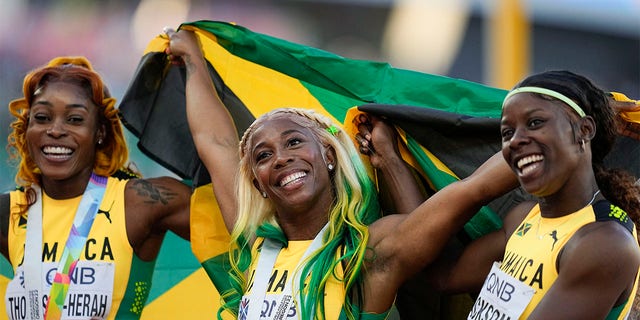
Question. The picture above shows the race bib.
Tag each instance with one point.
(274, 307)
(501, 297)
(89, 296)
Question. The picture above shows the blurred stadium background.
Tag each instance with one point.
(495, 42)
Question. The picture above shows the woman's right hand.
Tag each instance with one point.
(377, 139)
(210, 123)
(183, 46)
(400, 192)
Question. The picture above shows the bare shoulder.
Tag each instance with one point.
(601, 259)
(605, 234)
(603, 245)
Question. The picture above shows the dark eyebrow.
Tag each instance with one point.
(528, 113)
(290, 131)
(284, 133)
(68, 106)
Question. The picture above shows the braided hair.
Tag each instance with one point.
(355, 206)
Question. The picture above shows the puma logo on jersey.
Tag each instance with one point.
(554, 236)
(106, 213)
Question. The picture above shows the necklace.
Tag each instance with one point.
(594, 197)
(540, 236)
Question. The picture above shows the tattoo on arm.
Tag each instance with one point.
(189, 66)
(153, 193)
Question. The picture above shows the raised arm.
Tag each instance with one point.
(396, 181)
(211, 125)
(401, 245)
(407, 243)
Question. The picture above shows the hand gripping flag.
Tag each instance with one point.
(255, 73)
(448, 126)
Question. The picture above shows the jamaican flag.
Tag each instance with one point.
(449, 126)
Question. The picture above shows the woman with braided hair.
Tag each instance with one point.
(81, 232)
(306, 220)
(573, 253)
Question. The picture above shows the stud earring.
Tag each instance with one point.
(264, 194)
(582, 145)
(100, 141)
(330, 166)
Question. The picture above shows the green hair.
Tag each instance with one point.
(344, 244)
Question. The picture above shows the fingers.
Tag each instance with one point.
(182, 43)
(622, 106)
(363, 137)
(376, 138)
(168, 31)
(364, 145)
(364, 126)
(365, 129)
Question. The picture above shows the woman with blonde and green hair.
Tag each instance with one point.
(304, 214)
(81, 232)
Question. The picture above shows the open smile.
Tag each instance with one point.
(292, 178)
(529, 163)
(57, 152)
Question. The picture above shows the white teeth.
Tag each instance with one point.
(288, 179)
(57, 150)
(529, 169)
(525, 166)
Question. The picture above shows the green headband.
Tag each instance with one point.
(550, 93)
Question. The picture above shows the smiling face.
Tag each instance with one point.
(539, 143)
(63, 133)
(290, 166)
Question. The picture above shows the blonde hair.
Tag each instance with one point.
(354, 207)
